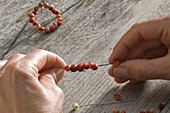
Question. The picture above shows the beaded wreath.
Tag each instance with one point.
(53, 10)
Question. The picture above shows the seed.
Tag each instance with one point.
(117, 97)
(67, 68)
(142, 111)
(116, 110)
(73, 68)
(150, 110)
(161, 106)
(75, 107)
(80, 67)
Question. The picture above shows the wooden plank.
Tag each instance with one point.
(14, 15)
(90, 31)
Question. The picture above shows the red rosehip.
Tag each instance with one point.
(40, 5)
(36, 9)
(34, 12)
(42, 28)
(80, 67)
(94, 66)
(59, 23)
(52, 28)
(116, 110)
(60, 19)
(116, 63)
(67, 68)
(38, 26)
(161, 106)
(50, 7)
(117, 97)
(46, 5)
(73, 68)
(90, 65)
(150, 110)
(123, 111)
(58, 16)
(142, 111)
(86, 65)
(57, 12)
(31, 15)
(55, 24)
(35, 23)
(32, 20)
(47, 29)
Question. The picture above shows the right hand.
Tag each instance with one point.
(143, 52)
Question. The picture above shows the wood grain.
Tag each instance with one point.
(90, 31)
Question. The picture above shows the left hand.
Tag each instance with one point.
(28, 83)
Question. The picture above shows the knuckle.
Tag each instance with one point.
(60, 92)
(14, 67)
(17, 55)
(38, 50)
(18, 71)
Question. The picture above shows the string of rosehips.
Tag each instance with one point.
(81, 67)
(85, 66)
(53, 10)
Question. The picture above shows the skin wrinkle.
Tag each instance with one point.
(166, 38)
(141, 38)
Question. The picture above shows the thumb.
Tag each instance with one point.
(49, 79)
(144, 69)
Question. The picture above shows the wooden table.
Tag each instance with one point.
(90, 31)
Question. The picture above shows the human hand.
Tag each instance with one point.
(28, 83)
(143, 52)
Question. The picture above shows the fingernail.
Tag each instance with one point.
(120, 72)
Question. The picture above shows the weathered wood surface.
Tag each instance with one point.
(91, 29)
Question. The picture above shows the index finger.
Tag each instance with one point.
(140, 32)
(41, 60)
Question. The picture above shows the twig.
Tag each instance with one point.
(117, 102)
(166, 104)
